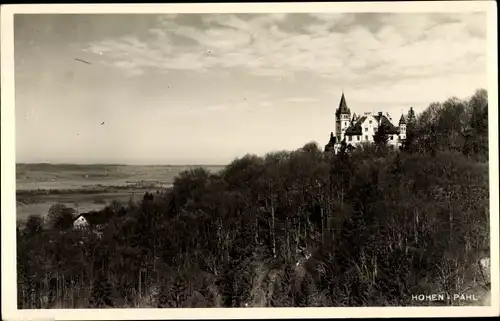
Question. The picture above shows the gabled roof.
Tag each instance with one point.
(93, 218)
(356, 128)
(342, 109)
(390, 128)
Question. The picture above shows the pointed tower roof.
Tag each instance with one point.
(343, 109)
(402, 120)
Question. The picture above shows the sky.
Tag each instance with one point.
(208, 88)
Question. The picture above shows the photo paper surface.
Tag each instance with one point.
(249, 160)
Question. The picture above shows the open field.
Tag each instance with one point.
(87, 187)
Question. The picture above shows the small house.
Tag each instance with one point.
(94, 220)
(80, 222)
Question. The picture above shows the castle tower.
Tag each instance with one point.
(402, 127)
(342, 118)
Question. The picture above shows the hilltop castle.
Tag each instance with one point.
(354, 130)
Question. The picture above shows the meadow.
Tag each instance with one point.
(88, 187)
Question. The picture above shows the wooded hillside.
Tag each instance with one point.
(379, 224)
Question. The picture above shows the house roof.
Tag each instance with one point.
(402, 120)
(390, 128)
(93, 218)
(356, 128)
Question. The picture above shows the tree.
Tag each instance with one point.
(411, 122)
(101, 293)
(476, 134)
(343, 148)
(411, 118)
(381, 137)
(189, 187)
(60, 216)
(312, 148)
(450, 124)
(454, 125)
(331, 144)
(34, 224)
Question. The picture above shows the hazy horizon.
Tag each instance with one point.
(182, 89)
(117, 164)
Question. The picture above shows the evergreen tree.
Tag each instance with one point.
(411, 134)
(343, 149)
(381, 138)
(331, 143)
(411, 118)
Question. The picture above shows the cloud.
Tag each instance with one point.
(326, 22)
(421, 91)
(355, 48)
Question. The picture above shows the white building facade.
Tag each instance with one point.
(361, 129)
(80, 222)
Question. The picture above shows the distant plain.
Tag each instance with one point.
(89, 187)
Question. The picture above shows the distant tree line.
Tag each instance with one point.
(379, 225)
(455, 125)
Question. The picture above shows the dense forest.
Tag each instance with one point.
(368, 227)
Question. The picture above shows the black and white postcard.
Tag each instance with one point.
(223, 160)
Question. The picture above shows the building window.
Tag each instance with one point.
(350, 138)
(366, 137)
(370, 122)
(358, 138)
(391, 138)
(366, 129)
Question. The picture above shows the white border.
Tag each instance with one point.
(8, 205)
